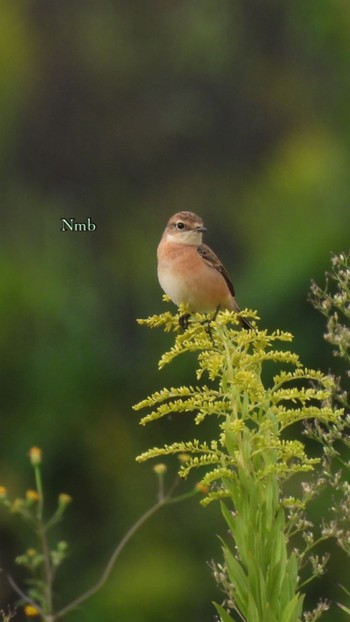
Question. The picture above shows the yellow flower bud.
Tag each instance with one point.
(160, 468)
(64, 499)
(3, 493)
(32, 496)
(31, 611)
(17, 505)
(183, 458)
(202, 489)
(35, 455)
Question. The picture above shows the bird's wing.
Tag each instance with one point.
(214, 262)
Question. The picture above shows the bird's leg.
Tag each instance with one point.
(184, 320)
(208, 322)
(215, 314)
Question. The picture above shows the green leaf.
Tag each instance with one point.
(291, 577)
(274, 582)
(239, 530)
(257, 582)
(278, 563)
(238, 578)
(293, 610)
(252, 612)
(225, 617)
(261, 591)
(228, 516)
(230, 438)
(271, 500)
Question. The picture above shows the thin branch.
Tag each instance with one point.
(110, 565)
(23, 595)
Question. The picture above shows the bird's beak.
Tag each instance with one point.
(201, 229)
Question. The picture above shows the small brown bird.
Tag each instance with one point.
(189, 272)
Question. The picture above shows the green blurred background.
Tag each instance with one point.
(127, 111)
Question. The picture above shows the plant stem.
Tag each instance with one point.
(110, 565)
(48, 576)
(39, 487)
(41, 533)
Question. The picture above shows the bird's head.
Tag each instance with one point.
(185, 228)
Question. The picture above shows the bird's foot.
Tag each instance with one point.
(184, 320)
(207, 323)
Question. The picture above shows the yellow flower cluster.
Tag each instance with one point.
(250, 414)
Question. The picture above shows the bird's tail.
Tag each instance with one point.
(243, 321)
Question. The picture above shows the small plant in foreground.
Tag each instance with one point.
(42, 562)
(247, 465)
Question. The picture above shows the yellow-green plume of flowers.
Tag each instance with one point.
(229, 386)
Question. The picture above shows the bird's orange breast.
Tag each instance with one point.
(186, 278)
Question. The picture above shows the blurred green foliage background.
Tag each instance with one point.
(128, 111)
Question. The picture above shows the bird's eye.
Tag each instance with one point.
(180, 225)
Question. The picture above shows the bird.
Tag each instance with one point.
(190, 273)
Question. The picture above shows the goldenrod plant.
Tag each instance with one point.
(259, 393)
(38, 598)
(247, 465)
